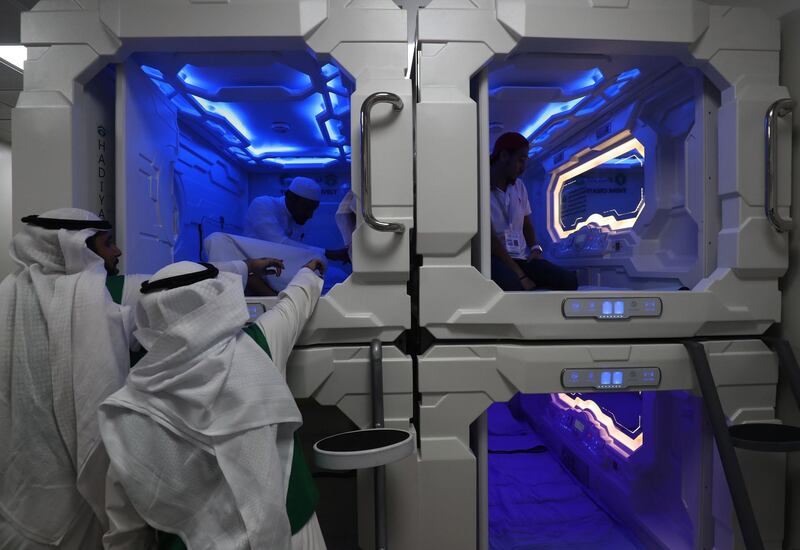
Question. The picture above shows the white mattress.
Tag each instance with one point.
(534, 503)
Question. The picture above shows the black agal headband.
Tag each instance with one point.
(178, 281)
(72, 225)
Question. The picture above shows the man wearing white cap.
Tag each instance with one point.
(281, 219)
(201, 436)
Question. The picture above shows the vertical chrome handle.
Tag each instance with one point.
(366, 185)
(780, 108)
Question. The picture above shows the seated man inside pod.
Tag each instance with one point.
(281, 219)
(201, 438)
(276, 227)
(517, 258)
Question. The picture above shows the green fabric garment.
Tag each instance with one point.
(169, 541)
(302, 498)
(256, 334)
(115, 285)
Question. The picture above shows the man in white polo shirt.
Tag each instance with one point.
(517, 262)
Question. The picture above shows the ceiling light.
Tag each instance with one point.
(14, 55)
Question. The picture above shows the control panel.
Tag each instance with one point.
(611, 308)
(587, 241)
(611, 379)
(255, 310)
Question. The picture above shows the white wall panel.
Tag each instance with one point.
(210, 191)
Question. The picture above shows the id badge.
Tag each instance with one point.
(515, 243)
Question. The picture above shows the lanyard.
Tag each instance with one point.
(507, 200)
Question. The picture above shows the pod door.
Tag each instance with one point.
(589, 446)
(635, 201)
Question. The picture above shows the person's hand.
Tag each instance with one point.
(258, 267)
(338, 255)
(316, 265)
(535, 255)
(527, 283)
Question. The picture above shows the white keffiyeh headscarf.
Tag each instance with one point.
(192, 435)
(60, 357)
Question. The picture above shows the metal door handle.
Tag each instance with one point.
(780, 108)
(366, 185)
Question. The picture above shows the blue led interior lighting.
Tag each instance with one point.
(546, 134)
(615, 89)
(340, 104)
(211, 79)
(312, 109)
(336, 85)
(585, 82)
(184, 106)
(229, 136)
(629, 75)
(152, 72)
(165, 87)
(270, 149)
(552, 110)
(329, 70)
(334, 129)
(633, 160)
(591, 106)
(303, 162)
(591, 85)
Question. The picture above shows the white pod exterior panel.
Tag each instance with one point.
(698, 246)
(74, 104)
(340, 376)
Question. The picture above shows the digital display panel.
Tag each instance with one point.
(611, 190)
(599, 188)
(619, 414)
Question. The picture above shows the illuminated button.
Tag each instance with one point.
(607, 308)
(617, 380)
(574, 376)
(575, 305)
(605, 378)
(591, 306)
(619, 307)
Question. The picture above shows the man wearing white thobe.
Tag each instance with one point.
(63, 349)
(281, 219)
(201, 436)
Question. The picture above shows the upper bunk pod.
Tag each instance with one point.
(614, 142)
(644, 171)
(173, 128)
